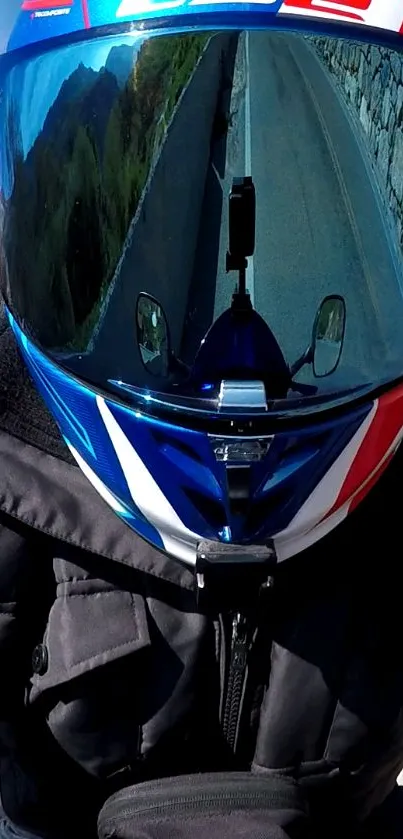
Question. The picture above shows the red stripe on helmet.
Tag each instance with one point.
(86, 14)
(359, 496)
(36, 5)
(374, 453)
(353, 6)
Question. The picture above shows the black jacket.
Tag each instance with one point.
(111, 673)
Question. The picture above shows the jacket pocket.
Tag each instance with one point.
(370, 754)
(87, 630)
(90, 670)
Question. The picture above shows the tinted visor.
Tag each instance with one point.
(174, 209)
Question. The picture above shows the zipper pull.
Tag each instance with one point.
(239, 643)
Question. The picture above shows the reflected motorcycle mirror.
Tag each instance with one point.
(152, 335)
(328, 335)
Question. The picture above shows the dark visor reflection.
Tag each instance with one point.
(83, 127)
(127, 224)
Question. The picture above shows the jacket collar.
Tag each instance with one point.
(41, 487)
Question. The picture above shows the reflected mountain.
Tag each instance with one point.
(72, 89)
(77, 191)
(87, 98)
(120, 62)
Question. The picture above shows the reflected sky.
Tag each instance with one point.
(42, 83)
(35, 85)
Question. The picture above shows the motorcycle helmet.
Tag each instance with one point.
(200, 256)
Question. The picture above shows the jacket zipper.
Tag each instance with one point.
(236, 677)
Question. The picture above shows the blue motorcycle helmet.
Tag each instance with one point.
(196, 261)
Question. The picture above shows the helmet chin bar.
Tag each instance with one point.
(232, 575)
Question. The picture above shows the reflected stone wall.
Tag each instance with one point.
(372, 81)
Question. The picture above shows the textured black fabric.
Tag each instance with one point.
(227, 805)
(22, 411)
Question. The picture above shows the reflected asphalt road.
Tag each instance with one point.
(319, 227)
(319, 223)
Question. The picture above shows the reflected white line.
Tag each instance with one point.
(250, 273)
(248, 162)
